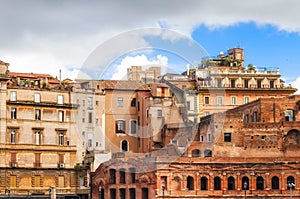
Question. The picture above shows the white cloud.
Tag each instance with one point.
(54, 34)
(296, 84)
(120, 70)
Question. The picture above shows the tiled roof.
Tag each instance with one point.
(124, 85)
(29, 75)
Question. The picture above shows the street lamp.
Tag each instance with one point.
(163, 187)
(100, 190)
(245, 188)
(291, 185)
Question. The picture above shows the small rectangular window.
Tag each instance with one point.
(233, 100)
(258, 83)
(60, 99)
(60, 116)
(61, 138)
(13, 96)
(246, 99)
(133, 102)
(159, 113)
(90, 102)
(206, 100)
(227, 137)
(188, 105)
(133, 127)
(271, 83)
(13, 113)
(232, 83)
(219, 100)
(120, 126)
(37, 114)
(120, 101)
(37, 98)
(246, 83)
(90, 115)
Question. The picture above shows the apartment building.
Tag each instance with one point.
(37, 151)
(148, 75)
(224, 82)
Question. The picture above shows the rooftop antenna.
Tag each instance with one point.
(59, 76)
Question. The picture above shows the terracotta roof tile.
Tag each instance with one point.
(29, 75)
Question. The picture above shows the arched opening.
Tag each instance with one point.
(231, 183)
(124, 145)
(260, 183)
(203, 183)
(207, 153)
(245, 183)
(190, 183)
(217, 183)
(290, 180)
(196, 153)
(291, 140)
(275, 183)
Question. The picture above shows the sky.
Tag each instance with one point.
(100, 39)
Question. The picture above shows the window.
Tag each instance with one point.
(195, 153)
(37, 157)
(233, 100)
(230, 181)
(61, 116)
(145, 193)
(37, 137)
(124, 145)
(13, 180)
(271, 83)
(132, 174)
(13, 113)
(289, 115)
(246, 83)
(209, 137)
(204, 183)
(37, 114)
(275, 183)
(13, 136)
(232, 83)
(90, 102)
(90, 115)
(207, 153)
(120, 101)
(60, 99)
(159, 113)
(227, 137)
(247, 119)
(219, 100)
(13, 96)
(133, 102)
(132, 194)
(217, 183)
(37, 98)
(122, 192)
(133, 127)
(245, 183)
(290, 180)
(246, 99)
(206, 100)
(97, 103)
(188, 105)
(190, 183)
(61, 138)
(112, 176)
(259, 83)
(120, 126)
(259, 183)
(255, 116)
(122, 176)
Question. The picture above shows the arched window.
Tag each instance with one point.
(217, 183)
(290, 179)
(245, 183)
(275, 183)
(207, 153)
(260, 183)
(124, 145)
(231, 183)
(196, 153)
(203, 183)
(190, 183)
